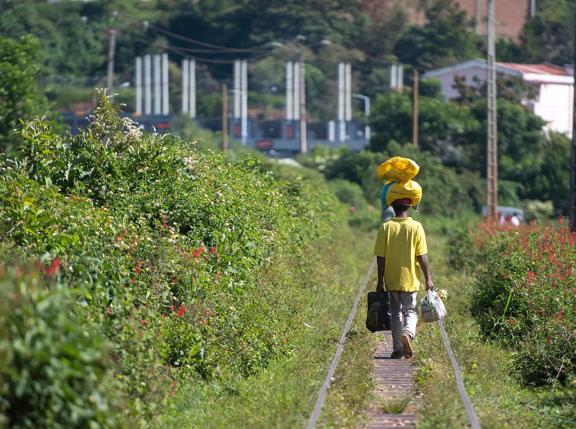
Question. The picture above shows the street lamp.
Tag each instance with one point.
(366, 100)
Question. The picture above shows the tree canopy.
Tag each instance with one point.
(445, 39)
(20, 95)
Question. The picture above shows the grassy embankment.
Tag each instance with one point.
(283, 394)
(500, 400)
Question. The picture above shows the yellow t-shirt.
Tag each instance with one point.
(400, 240)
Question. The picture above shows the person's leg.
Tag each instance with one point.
(396, 319)
(410, 313)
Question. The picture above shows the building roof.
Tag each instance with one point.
(535, 73)
(537, 69)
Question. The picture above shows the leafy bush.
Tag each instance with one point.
(362, 214)
(526, 297)
(163, 247)
(445, 192)
(461, 249)
(53, 371)
(20, 95)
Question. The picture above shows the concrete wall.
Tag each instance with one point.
(447, 80)
(555, 105)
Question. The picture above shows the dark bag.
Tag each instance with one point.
(378, 318)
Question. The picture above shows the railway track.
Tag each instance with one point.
(396, 400)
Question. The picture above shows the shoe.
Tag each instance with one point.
(398, 354)
(407, 346)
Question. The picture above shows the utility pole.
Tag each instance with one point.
(165, 85)
(573, 175)
(138, 84)
(224, 118)
(303, 121)
(478, 16)
(415, 106)
(147, 84)
(366, 101)
(492, 143)
(532, 8)
(111, 54)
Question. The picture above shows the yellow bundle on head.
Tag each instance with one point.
(399, 191)
(397, 168)
(398, 173)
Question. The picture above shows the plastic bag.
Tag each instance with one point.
(432, 308)
(397, 174)
(398, 169)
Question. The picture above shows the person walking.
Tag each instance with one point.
(400, 250)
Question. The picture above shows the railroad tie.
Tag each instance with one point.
(395, 402)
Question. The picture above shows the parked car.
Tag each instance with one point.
(507, 215)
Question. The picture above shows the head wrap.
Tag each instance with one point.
(397, 173)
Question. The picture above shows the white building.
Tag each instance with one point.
(554, 101)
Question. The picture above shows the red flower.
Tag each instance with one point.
(53, 268)
(530, 277)
(213, 250)
(137, 269)
(143, 322)
(181, 311)
(197, 252)
(560, 315)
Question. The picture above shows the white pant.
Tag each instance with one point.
(404, 316)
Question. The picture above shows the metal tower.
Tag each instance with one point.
(492, 143)
(573, 176)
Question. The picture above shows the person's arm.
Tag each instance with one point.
(423, 261)
(381, 261)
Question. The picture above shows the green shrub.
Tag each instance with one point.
(461, 249)
(362, 215)
(164, 246)
(445, 191)
(20, 94)
(525, 297)
(349, 193)
(53, 371)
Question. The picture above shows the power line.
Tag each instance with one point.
(256, 49)
(184, 53)
(215, 49)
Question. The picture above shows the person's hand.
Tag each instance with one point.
(430, 285)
